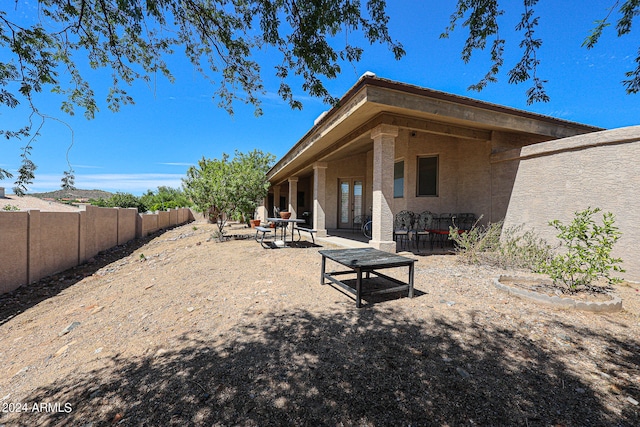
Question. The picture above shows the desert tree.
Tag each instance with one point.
(226, 188)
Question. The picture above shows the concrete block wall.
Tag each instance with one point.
(53, 242)
(14, 249)
(557, 178)
(101, 230)
(164, 219)
(37, 244)
(127, 219)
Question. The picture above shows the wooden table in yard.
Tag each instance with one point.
(368, 261)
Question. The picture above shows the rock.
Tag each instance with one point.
(21, 371)
(97, 309)
(61, 350)
(464, 374)
(632, 401)
(69, 328)
(161, 352)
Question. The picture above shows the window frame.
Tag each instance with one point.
(394, 179)
(436, 177)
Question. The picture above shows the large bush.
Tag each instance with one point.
(586, 251)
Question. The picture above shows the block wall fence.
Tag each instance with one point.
(35, 244)
(555, 179)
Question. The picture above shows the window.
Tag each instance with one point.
(427, 176)
(398, 179)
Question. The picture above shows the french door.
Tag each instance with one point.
(351, 201)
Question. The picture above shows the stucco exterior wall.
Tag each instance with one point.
(14, 249)
(351, 167)
(101, 229)
(555, 179)
(127, 225)
(465, 177)
(55, 243)
(164, 219)
(173, 217)
(464, 174)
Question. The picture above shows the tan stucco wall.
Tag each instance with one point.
(13, 250)
(352, 167)
(555, 179)
(465, 181)
(164, 219)
(55, 244)
(464, 175)
(37, 244)
(101, 229)
(126, 225)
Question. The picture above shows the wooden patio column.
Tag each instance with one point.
(319, 198)
(384, 142)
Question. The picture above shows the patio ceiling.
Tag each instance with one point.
(345, 130)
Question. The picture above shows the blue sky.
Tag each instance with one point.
(172, 126)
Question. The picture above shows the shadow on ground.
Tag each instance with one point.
(364, 367)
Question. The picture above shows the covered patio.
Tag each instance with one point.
(389, 146)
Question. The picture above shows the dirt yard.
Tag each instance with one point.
(179, 330)
(12, 202)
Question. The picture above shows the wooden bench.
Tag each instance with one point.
(264, 231)
(308, 230)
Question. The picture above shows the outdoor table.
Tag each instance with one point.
(368, 261)
(284, 224)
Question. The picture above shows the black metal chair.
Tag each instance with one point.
(440, 232)
(422, 226)
(465, 221)
(402, 227)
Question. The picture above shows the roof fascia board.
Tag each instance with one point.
(505, 120)
(435, 127)
(336, 116)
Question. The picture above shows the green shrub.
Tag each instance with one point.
(587, 254)
(10, 208)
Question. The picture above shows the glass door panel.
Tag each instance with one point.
(351, 201)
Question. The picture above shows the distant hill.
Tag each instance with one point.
(73, 194)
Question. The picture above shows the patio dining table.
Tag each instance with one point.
(283, 225)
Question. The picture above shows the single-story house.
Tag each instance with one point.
(389, 146)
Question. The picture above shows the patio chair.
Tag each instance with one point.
(440, 232)
(402, 225)
(422, 225)
(465, 221)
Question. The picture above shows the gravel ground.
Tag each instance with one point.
(178, 330)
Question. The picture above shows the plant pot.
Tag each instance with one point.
(254, 223)
(285, 215)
